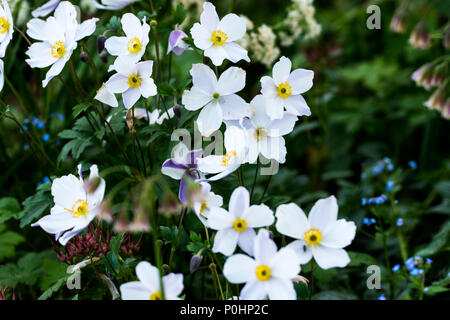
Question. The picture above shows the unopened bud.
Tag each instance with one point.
(159, 243)
(101, 43)
(104, 57)
(153, 23)
(212, 266)
(165, 268)
(177, 110)
(420, 37)
(195, 263)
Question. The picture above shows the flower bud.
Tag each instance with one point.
(165, 268)
(446, 109)
(153, 23)
(437, 99)
(104, 57)
(177, 110)
(195, 263)
(398, 22)
(101, 43)
(176, 42)
(439, 75)
(423, 76)
(420, 37)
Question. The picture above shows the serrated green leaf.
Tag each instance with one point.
(79, 108)
(35, 205)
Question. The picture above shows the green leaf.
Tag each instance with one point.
(114, 24)
(115, 243)
(168, 234)
(438, 241)
(52, 270)
(8, 242)
(79, 108)
(357, 259)
(432, 290)
(35, 205)
(179, 14)
(9, 208)
(165, 89)
(52, 289)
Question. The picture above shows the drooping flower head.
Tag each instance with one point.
(284, 89)
(321, 235)
(6, 27)
(265, 136)
(58, 37)
(268, 274)
(237, 225)
(148, 287)
(217, 37)
(216, 97)
(205, 201)
(132, 80)
(113, 4)
(134, 42)
(176, 42)
(74, 207)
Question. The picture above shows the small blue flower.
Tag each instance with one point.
(363, 201)
(26, 120)
(412, 164)
(400, 222)
(429, 261)
(46, 137)
(366, 221)
(416, 271)
(26, 146)
(396, 201)
(426, 289)
(389, 185)
(61, 116)
(387, 160)
(396, 268)
(410, 263)
(46, 179)
(40, 124)
(25, 127)
(382, 297)
(390, 167)
(372, 220)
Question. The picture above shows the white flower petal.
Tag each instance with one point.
(296, 105)
(131, 26)
(116, 46)
(233, 25)
(217, 54)
(301, 80)
(253, 290)
(328, 258)
(283, 126)
(234, 107)
(117, 83)
(85, 29)
(231, 81)
(201, 36)
(280, 289)
(195, 98)
(204, 78)
(148, 275)
(134, 290)
(281, 70)
(225, 241)
(323, 214)
(173, 285)
(239, 202)
(219, 218)
(264, 248)
(209, 119)
(54, 223)
(130, 97)
(291, 221)
(303, 252)
(285, 264)
(339, 235)
(246, 240)
(235, 52)
(239, 268)
(209, 18)
(258, 216)
(274, 148)
(148, 88)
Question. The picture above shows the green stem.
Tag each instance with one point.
(265, 188)
(254, 179)
(175, 242)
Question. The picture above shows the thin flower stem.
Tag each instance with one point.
(213, 268)
(170, 67)
(23, 35)
(265, 188)
(254, 179)
(92, 64)
(311, 288)
(76, 79)
(175, 242)
(74, 96)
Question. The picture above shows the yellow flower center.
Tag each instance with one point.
(313, 237)
(156, 296)
(58, 49)
(204, 206)
(240, 225)
(4, 25)
(218, 37)
(134, 45)
(260, 133)
(79, 208)
(284, 90)
(227, 157)
(262, 272)
(134, 81)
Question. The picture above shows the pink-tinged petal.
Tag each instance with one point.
(253, 290)
(280, 289)
(233, 25)
(239, 202)
(281, 70)
(225, 241)
(239, 268)
(134, 290)
(291, 221)
(201, 36)
(301, 80)
(231, 81)
(209, 18)
(296, 105)
(247, 240)
(328, 258)
(130, 97)
(258, 216)
(339, 235)
(235, 52)
(235, 108)
(323, 214)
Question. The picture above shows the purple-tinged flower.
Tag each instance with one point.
(416, 272)
(182, 166)
(420, 37)
(423, 76)
(45, 9)
(398, 22)
(396, 268)
(437, 100)
(176, 42)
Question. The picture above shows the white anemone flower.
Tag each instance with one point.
(156, 116)
(265, 136)
(6, 27)
(148, 287)
(113, 4)
(236, 153)
(218, 37)
(269, 274)
(205, 201)
(58, 35)
(74, 207)
(284, 89)
(134, 42)
(107, 97)
(216, 98)
(132, 80)
(321, 235)
(236, 226)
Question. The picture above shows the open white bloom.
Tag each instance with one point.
(217, 37)
(6, 27)
(236, 152)
(45, 9)
(321, 235)
(265, 136)
(236, 226)
(113, 4)
(148, 286)
(216, 98)
(132, 80)
(269, 274)
(74, 207)
(135, 40)
(107, 97)
(205, 201)
(58, 35)
(155, 117)
(284, 89)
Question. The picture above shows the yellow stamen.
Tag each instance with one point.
(134, 81)
(313, 237)
(204, 206)
(134, 45)
(240, 225)
(227, 157)
(218, 37)
(156, 296)
(260, 133)
(79, 208)
(58, 49)
(4, 25)
(262, 272)
(284, 90)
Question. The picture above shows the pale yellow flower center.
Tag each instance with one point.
(260, 133)
(262, 272)
(134, 81)
(134, 45)
(204, 206)
(79, 208)
(240, 225)
(156, 296)
(284, 90)
(219, 37)
(227, 157)
(58, 49)
(313, 237)
(4, 25)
